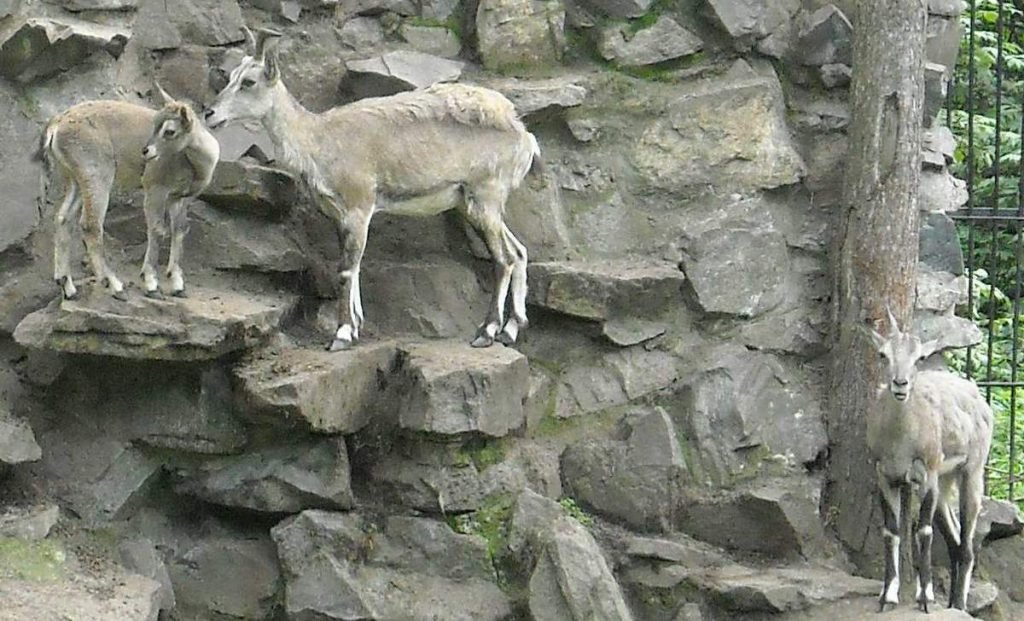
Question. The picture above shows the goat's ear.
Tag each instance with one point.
(186, 115)
(271, 71)
(929, 347)
(250, 41)
(877, 340)
(162, 94)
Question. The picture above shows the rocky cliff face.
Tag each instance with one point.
(652, 450)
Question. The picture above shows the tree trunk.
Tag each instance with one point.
(875, 248)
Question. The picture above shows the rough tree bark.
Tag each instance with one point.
(875, 246)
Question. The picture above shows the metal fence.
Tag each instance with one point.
(985, 109)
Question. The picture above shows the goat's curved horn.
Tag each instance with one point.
(263, 37)
(250, 41)
(894, 326)
(163, 94)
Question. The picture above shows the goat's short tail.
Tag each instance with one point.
(537, 167)
(43, 153)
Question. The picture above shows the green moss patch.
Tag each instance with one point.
(36, 561)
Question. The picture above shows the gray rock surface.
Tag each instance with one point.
(434, 40)
(232, 241)
(17, 442)
(325, 392)
(1002, 562)
(19, 186)
(617, 9)
(251, 189)
(450, 388)
(777, 517)
(606, 290)
(276, 479)
(752, 148)
(536, 95)
(445, 488)
(664, 40)
(140, 556)
(637, 480)
(748, 21)
(998, 519)
(341, 566)
(207, 324)
(569, 577)
(397, 71)
(76, 6)
(519, 34)
(234, 577)
(159, 26)
(31, 523)
(939, 247)
(941, 191)
(826, 38)
(42, 47)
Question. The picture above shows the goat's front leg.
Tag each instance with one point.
(353, 227)
(889, 493)
(154, 208)
(177, 213)
(929, 491)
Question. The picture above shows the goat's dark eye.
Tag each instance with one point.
(881, 355)
(248, 83)
(169, 133)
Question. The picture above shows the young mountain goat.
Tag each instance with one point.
(932, 430)
(100, 146)
(353, 157)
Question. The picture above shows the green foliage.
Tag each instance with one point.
(482, 453)
(573, 510)
(490, 522)
(986, 119)
(36, 561)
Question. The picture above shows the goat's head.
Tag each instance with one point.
(247, 94)
(903, 352)
(172, 127)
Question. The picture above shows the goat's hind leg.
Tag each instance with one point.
(95, 191)
(64, 224)
(949, 528)
(971, 489)
(483, 212)
(890, 500)
(517, 320)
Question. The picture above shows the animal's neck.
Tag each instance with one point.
(285, 123)
(203, 150)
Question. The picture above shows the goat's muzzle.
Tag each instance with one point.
(148, 153)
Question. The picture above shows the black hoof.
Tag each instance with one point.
(340, 345)
(120, 296)
(505, 339)
(482, 340)
(155, 295)
(180, 293)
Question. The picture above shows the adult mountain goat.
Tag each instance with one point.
(415, 143)
(931, 429)
(100, 146)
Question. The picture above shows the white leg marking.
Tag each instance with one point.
(891, 591)
(177, 279)
(344, 333)
(492, 329)
(511, 329)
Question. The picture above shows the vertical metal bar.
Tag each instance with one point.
(993, 254)
(971, 68)
(1015, 329)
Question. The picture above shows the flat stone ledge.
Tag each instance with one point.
(206, 325)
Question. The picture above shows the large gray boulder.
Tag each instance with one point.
(662, 41)
(397, 71)
(775, 517)
(77, 6)
(19, 186)
(606, 291)
(636, 480)
(315, 390)
(745, 113)
(250, 189)
(230, 577)
(206, 325)
(276, 479)
(160, 26)
(1002, 562)
(17, 442)
(569, 577)
(31, 523)
(341, 566)
(520, 34)
(141, 556)
(751, 21)
(450, 388)
(42, 47)
(826, 38)
(232, 241)
(543, 94)
(745, 412)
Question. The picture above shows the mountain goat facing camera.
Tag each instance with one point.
(930, 429)
(96, 147)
